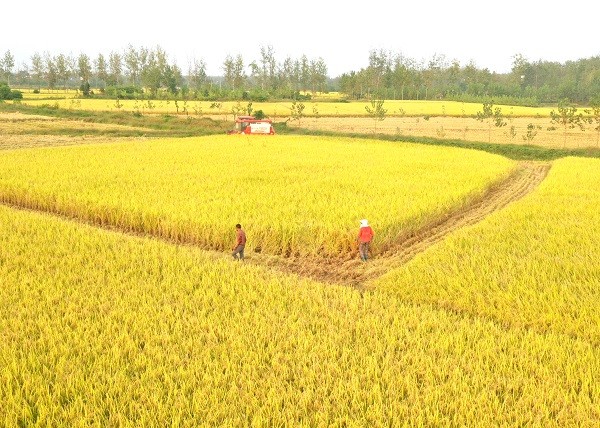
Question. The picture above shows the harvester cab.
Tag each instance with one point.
(251, 125)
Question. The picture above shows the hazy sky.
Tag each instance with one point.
(342, 33)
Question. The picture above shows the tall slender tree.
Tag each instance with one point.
(115, 68)
(197, 74)
(37, 65)
(233, 69)
(132, 64)
(101, 69)
(51, 71)
(84, 70)
(62, 69)
(318, 75)
(7, 64)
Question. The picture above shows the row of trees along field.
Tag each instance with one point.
(143, 72)
(138, 72)
(392, 76)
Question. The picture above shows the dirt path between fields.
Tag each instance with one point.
(352, 272)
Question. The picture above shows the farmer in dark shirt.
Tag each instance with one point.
(240, 243)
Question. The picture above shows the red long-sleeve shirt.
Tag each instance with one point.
(241, 237)
(365, 234)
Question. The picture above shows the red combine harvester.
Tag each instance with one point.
(252, 125)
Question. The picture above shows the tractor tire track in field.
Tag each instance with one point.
(349, 270)
(352, 272)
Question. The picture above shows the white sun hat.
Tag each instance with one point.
(364, 222)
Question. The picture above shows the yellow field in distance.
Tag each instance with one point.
(282, 109)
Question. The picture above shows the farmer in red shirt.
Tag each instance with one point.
(365, 235)
(240, 243)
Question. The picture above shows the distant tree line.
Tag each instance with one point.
(143, 72)
(392, 76)
(148, 72)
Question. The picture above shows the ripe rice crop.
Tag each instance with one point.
(293, 195)
(283, 109)
(533, 265)
(101, 329)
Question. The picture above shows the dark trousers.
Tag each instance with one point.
(363, 249)
(238, 252)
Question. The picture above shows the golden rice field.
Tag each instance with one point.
(495, 325)
(532, 266)
(102, 329)
(295, 195)
(282, 109)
